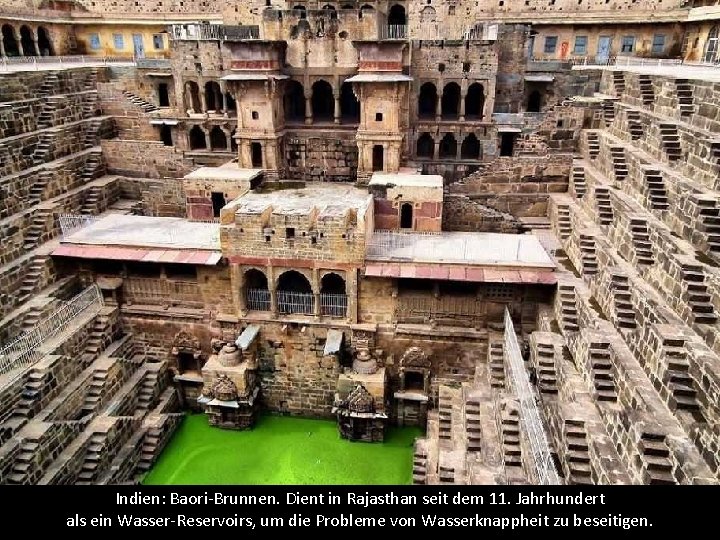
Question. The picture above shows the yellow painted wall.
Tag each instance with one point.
(696, 40)
(107, 42)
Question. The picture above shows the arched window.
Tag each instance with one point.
(711, 46)
(448, 146)
(192, 96)
(333, 296)
(425, 146)
(323, 101)
(218, 140)
(257, 295)
(26, 39)
(213, 96)
(44, 42)
(294, 101)
(10, 41)
(406, 215)
(330, 10)
(427, 102)
(378, 158)
(349, 104)
(396, 15)
(470, 148)
(475, 102)
(534, 102)
(451, 101)
(294, 294)
(197, 138)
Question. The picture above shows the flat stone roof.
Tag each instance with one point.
(466, 248)
(329, 199)
(145, 231)
(224, 172)
(407, 180)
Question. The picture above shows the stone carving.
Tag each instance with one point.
(415, 357)
(360, 400)
(364, 363)
(224, 389)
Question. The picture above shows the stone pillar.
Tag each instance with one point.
(35, 45)
(352, 292)
(438, 108)
(208, 143)
(458, 150)
(337, 109)
(308, 110)
(2, 45)
(188, 99)
(239, 288)
(273, 291)
(203, 103)
(463, 95)
(224, 104)
(316, 292)
(228, 139)
(20, 47)
(436, 151)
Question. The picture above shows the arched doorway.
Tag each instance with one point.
(10, 41)
(192, 96)
(406, 215)
(378, 158)
(448, 146)
(427, 102)
(711, 46)
(323, 101)
(534, 102)
(218, 140)
(44, 42)
(213, 96)
(349, 104)
(294, 102)
(475, 102)
(470, 148)
(294, 294)
(257, 294)
(366, 8)
(333, 295)
(27, 41)
(197, 139)
(396, 15)
(330, 11)
(451, 101)
(425, 146)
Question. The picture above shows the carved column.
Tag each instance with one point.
(316, 292)
(20, 47)
(438, 107)
(223, 89)
(273, 291)
(463, 95)
(203, 103)
(208, 142)
(337, 108)
(2, 45)
(35, 43)
(436, 150)
(308, 110)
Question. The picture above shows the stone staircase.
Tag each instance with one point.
(546, 374)
(37, 191)
(36, 230)
(44, 119)
(32, 278)
(94, 391)
(496, 364)
(670, 141)
(444, 415)
(92, 168)
(578, 181)
(587, 254)
(695, 293)
(31, 393)
(656, 192)
(95, 343)
(563, 220)
(42, 149)
(608, 109)
(641, 240)
(656, 462)
(90, 82)
(624, 313)
(709, 223)
(139, 102)
(24, 462)
(419, 467)
(593, 144)
(568, 308)
(634, 124)
(617, 153)
(93, 456)
(676, 375)
(510, 436)
(91, 202)
(646, 90)
(619, 82)
(604, 205)
(49, 85)
(602, 371)
(684, 91)
(91, 135)
(31, 317)
(473, 430)
(578, 455)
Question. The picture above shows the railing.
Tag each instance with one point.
(162, 292)
(529, 414)
(384, 243)
(333, 305)
(212, 32)
(25, 350)
(427, 308)
(70, 223)
(257, 299)
(153, 63)
(394, 31)
(37, 62)
(296, 302)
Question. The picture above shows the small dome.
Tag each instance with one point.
(360, 400)
(229, 355)
(224, 389)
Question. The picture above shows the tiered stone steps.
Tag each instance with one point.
(32, 278)
(624, 312)
(24, 461)
(31, 394)
(619, 82)
(641, 240)
(608, 108)
(496, 364)
(656, 191)
(578, 181)
(93, 167)
(36, 230)
(634, 124)
(604, 205)
(677, 375)
(146, 394)
(577, 453)
(42, 148)
(709, 223)
(568, 308)
(646, 90)
(546, 373)
(602, 372)
(670, 141)
(619, 162)
(684, 91)
(445, 415)
(139, 102)
(656, 460)
(49, 84)
(95, 343)
(94, 391)
(91, 203)
(93, 456)
(510, 435)
(696, 293)
(419, 467)
(473, 430)
(593, 144)
(587, 254)
(563, 220)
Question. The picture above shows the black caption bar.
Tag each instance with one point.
(265, 510)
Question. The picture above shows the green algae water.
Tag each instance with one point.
(281, 450)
